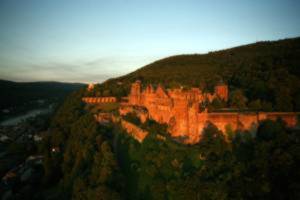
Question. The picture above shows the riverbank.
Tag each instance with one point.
(20, 156)
(22, 117)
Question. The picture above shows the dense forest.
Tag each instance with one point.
(263, 75)
(93, 161)
(87, 160)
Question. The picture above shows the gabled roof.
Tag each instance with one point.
(149, 88)
(161, 92)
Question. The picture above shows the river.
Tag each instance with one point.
(32, 113)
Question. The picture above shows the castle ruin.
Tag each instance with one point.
(181, 110)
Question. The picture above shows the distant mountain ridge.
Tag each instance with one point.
(18, 93)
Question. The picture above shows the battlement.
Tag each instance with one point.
(138, 96)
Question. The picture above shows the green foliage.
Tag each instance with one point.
(283, 99)
(237, 99)
(97, 162)
(267, 106)
(116, 89)
(84, 163)
(266, 164)
(216, 104)
(239, 167)
(131, 117)
(255, 105)
(259, 70)
(89, 157)
(103, 107)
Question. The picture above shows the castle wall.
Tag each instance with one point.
(193, 123)
(290, 118)
(103, 118)
(248, 121)
(124, 110)
(135, 94)
(133, 130)
(95, 100)
(180, 110)
(180, 115)
(223, 119)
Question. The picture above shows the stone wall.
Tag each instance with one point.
(140, 112)
(247, 121)
(133, 130)
(180, 110)
(103, 118)
(95, 100)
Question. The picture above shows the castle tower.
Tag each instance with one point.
(193, 132)
(90, 86)
(221, 91)
(135, 93)
(149, 89)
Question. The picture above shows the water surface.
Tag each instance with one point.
(32, 113)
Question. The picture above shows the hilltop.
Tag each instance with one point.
(222, 65)
(266, 71)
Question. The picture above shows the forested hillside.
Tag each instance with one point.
(92, 161)
(87, 160)
(17, 94)
(266, 73)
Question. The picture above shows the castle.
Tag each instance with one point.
(180, 110)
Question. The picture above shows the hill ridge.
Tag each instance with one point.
(267, 71)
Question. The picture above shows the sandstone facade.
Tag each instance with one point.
(132, 129)
(95, 100)
(180, 109)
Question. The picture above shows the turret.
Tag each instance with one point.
(149, 89)
(221, 91)
(90, 86)
(135, 93)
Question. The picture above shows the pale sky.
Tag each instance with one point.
(93, 40)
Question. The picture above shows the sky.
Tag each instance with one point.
(93, 40)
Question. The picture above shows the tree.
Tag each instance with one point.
(266, 106)
(216, 104)
(283, 99)
(255, 105)
(216, 170)
(237, 99)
